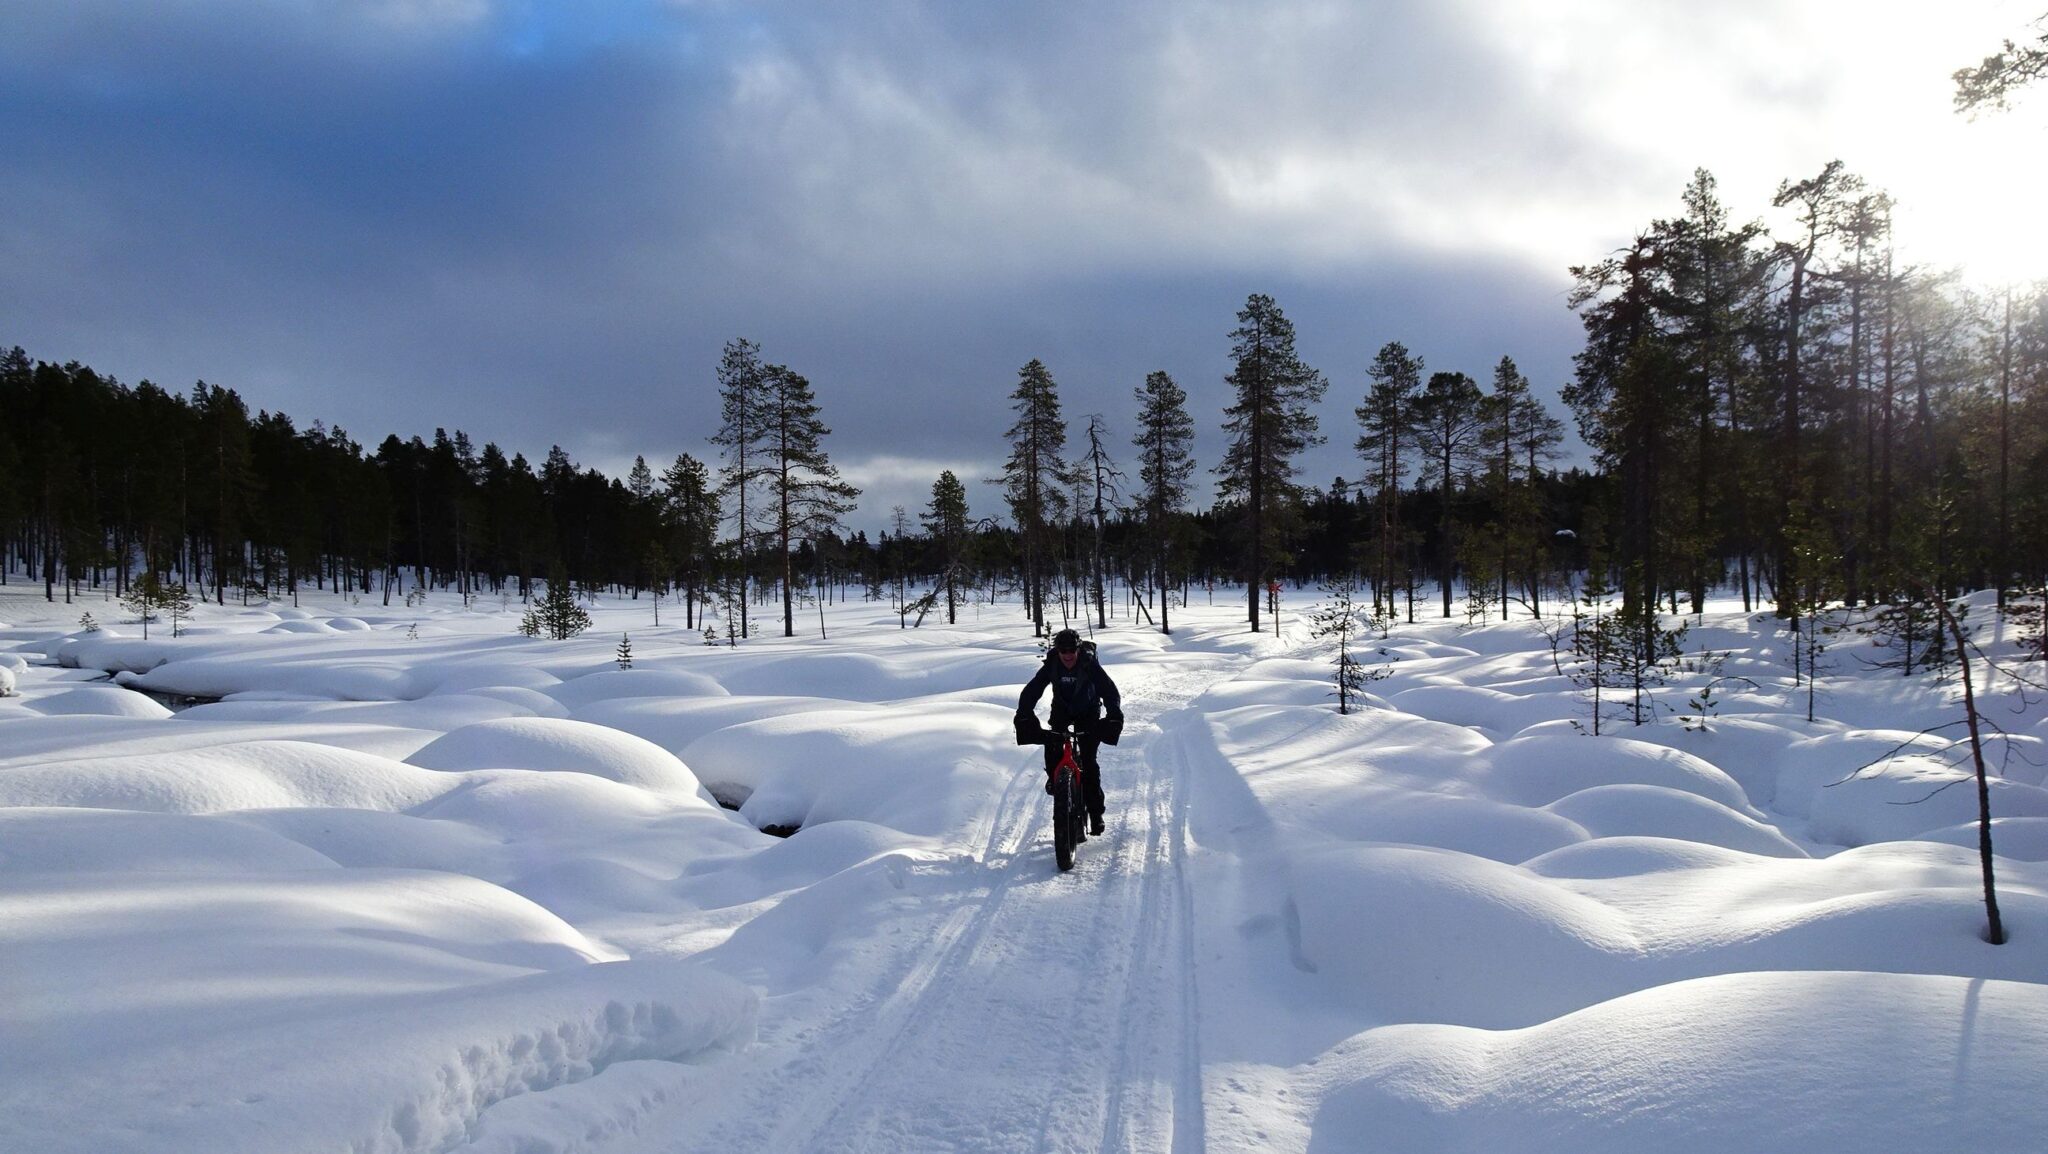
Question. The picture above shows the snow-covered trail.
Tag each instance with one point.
(1027, 1010)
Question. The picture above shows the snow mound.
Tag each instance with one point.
(311, 627)
(344, 680)
(558, 745)
(1490, 829)
(345, 1010)
(1539, 769)
(814, 852)
(2018, 838)
(1621, 857)
(1748, 749)
(923, 774)
(1736, 1062)
(615, 684)
(530, 807)
(348, 625)
(244, 775)
(373, 839)
(1807, 769)
(531, 701)
(1479, 707)
(1655, 811)
(466, 676)
(7, 681)
(37, 840)
(98, 701)
(1906, 801)
(1429, 935)
(675, 722)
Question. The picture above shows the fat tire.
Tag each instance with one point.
(1064, 824)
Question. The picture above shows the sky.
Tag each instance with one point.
(540, 222)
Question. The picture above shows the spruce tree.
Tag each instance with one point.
(945, 518)
(691, 514)
(1165, 440)
(1337, 617)
(145, 596)
(556, 614)
(1268, 425)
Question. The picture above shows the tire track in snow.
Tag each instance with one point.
(1030, 1011)
(1011, 1056)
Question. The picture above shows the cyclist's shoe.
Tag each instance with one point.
(1095, 824)
(1048, 785)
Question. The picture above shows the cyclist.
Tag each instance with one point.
(1082, 696)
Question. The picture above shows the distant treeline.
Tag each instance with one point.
(1799, 418)
(100, 479)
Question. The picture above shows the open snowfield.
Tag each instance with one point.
(411, 882)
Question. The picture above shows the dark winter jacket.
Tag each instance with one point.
(1083, 695)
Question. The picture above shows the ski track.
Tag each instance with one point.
(1040, 1012)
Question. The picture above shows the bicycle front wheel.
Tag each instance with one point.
(1066, 817)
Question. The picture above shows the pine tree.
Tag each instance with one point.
(1993, 81)
(742, 438)
(1034, 477)
(1165, 440)
(1100, 475)
(1520, 435)
(1268, 425)
(807, 497)
(1386, 420)
(624, 654)
(1711, 288)
(1448, 423)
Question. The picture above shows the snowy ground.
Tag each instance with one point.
(418, 884)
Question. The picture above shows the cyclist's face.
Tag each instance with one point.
(1069, 656)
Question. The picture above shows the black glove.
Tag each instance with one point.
(1109, 729)
(1029, 732)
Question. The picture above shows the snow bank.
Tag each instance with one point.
(1789, 1062)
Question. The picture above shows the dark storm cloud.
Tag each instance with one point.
(539, 224)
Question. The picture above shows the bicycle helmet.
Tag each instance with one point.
(1066, 641)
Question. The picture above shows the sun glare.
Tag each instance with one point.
(1973, 199)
